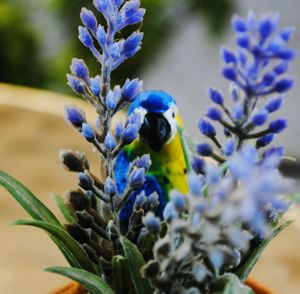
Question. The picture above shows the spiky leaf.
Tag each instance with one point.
(68, 215)
(244, 270)
(93, 283)
(27, 200)
(135, 262)
(121, 275)
(65, 243)
(229, 284)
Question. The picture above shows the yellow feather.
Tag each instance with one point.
(168, 165)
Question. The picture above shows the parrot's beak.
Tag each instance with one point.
(155, 130)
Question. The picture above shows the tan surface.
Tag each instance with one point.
(30, 141)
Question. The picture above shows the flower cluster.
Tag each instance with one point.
(210, 229)
(97, 203)
(256, 70)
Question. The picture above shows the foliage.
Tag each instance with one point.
(19, 48)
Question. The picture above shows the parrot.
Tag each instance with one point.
(161, 137)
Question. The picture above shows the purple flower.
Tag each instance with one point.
(137, 177)
(264, 141)
(111, 100)
(283, 85)
(214, 113)
(95, 84)
(281, 68)
(74, 115)
(228, 56)
(110, 142)
(216, 96)
(144, 162)
(88, 132)
(206, 128)
(204, 149)
(85, 181)
(88, 19)
(178, 200)
(85, 37)
(101, 36)
(110, 187)
(278, 125)
(79, 69)
(198, 165)
(132, 89)
(243, 42)
(132, 44)
(151, 222)
(266, 27)
(196, 184)
(274, 104)
(130, 133)
(260, 117)
(239, 24)
(119, 129)
(230, 73)
(75, 84)
(229, 147)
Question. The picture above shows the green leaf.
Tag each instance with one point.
(30, 203)
(244, 270)
(229, 284)
(121, 275)
(135, 262)
(91, 282)
(67, 213)
(65, 242)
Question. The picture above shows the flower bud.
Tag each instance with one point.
(204, 149)
(214, 113)
(77, 200)
(88, 132)
(206, 128)
(85, 37)
(260, 117)
(229, 73)
(95, 85)
(216, 96)
(278, 125)
(75, 84)
(110, 187)
(79, 69)
(88, 19)
(143, 162)
(152, 223)
(73, 161)
(85, 181)
(110, 142)
(132, 89)
(137, 177)
(75, 116)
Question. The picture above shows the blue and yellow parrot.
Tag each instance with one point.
(160, 136)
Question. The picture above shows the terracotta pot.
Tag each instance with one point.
(75, 288)
(258, 288)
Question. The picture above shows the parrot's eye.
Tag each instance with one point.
(173, 114)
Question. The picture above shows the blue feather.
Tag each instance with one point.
(151, 185)
(152, 101)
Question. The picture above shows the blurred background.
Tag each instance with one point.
(180, 55)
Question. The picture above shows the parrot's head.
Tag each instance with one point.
(160, 118)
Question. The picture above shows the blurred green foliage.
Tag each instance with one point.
(19, 47)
